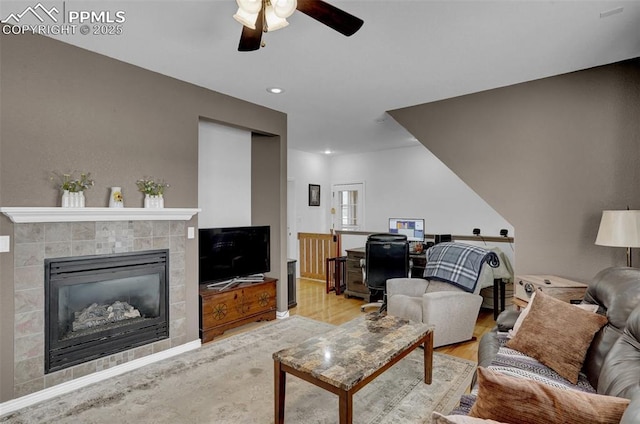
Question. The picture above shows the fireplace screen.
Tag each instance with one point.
(101, 305)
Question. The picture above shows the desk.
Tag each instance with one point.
(355, 285)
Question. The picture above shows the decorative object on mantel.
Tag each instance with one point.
(72, 188)
(153, 192)
(115, 198)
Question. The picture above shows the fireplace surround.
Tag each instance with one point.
(99, 305)
(36, 241)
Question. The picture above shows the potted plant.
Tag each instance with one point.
(72, 187)
(153, 191)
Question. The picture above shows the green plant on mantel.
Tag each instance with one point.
(148, 185)
(69, 182)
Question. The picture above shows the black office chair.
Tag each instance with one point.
(387, 256)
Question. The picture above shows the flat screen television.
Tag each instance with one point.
(232, 252)
(410, 227)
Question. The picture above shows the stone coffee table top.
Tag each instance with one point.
(353, 351)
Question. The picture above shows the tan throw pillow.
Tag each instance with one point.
(523, 314)
(557, 334)
(437, 418)
(524, 401)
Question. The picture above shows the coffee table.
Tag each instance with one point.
(346, 359)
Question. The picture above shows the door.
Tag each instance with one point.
(347, 212)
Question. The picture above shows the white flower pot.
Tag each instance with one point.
(72, 199)
(153, 201)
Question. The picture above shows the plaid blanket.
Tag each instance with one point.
(458, 264)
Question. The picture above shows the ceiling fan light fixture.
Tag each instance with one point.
(284, 8)
(274, 22)
(250, 6)
(245, 18)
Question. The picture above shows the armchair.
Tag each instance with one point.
(452, 310)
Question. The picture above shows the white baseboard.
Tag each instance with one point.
(51, 392)
(282, 315)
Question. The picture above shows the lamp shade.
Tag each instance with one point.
(250, 6)
(284, 8)
(619, 229)
(246, 19)
(274, 22)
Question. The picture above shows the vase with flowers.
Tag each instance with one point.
(153, 191)
(72, 187)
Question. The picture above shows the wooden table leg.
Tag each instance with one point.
(428, 358)
(346, 407)
(280, 378)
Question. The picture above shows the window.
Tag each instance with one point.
(348, 204)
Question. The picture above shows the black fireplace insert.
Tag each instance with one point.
(97, 306)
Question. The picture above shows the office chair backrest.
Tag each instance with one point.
(387, 256)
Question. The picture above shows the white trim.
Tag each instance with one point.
(21, 215)
(282, 315)
(60, 389)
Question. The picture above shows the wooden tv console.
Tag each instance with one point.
(221, 310)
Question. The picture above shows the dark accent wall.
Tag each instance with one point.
(548, 155)
(65, 108)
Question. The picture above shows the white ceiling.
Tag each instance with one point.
(408, 52)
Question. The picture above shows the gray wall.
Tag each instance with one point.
(64, 108)
(549, 156)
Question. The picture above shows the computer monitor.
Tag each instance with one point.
(410, 227)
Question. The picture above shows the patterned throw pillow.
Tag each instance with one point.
(557, 334)
(524, 401)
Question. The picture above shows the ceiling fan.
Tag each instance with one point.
(258, 16)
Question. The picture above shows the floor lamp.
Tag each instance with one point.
(620, 229)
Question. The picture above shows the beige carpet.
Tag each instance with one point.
(231, 381)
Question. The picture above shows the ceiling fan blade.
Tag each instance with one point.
(331, 16)
(251, 39)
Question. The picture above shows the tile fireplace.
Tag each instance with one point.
(38, 242)
(99, 305)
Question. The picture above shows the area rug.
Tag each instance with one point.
(231, 381)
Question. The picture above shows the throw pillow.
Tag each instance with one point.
(521, 317)
(516, 325)
(557, 334)
(524, 401)
(437, 418)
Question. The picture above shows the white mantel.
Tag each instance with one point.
(22, 215)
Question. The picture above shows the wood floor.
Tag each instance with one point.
(314, 303)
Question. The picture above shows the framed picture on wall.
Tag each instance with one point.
(314, 195)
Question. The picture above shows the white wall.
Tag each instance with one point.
(224, 176)
(406, 182)
(412, 183)
(304, 169)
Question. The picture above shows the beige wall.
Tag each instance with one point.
(64, 108)
(549, 156)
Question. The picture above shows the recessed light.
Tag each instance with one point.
(327, 152)
(608, 13)
(275, 90)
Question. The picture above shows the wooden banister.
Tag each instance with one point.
(315, 248)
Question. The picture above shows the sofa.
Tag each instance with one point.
(521, 374)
